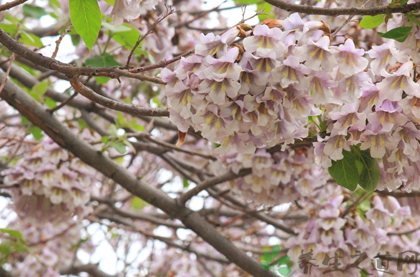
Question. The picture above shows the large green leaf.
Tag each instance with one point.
(86, 18)
(357, 167)
(399, 34)
(345, 171)
(369, 177)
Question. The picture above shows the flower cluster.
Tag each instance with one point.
(341, 230)
(261, 93)
(383, 119)
(277, 177)
(53, 246)
(51, 185)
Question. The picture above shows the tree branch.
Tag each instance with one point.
(115, 105)
(344, 11)
(210, 182)
(11, 4)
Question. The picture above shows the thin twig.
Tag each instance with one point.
(65, 102)
(212, 182)
(3, 82)
(160, 64)
(151, 30)
(58, 41)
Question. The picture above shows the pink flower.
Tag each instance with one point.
(317, 55)
(350, 59)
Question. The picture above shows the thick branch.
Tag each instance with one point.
(343, 11)
(33, 111)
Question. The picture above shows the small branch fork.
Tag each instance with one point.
(170, 11)
(344, 11)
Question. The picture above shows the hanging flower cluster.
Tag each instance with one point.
(339, 233)
(278, 177)
(382, 119)
(50, 185)
(261, 93)
(53, 246)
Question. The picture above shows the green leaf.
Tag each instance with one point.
(283, 260)
(75, 39)
(129, 145)
(119, 146)
(265, 8)
(275, 251)
(54, 3)
(111, 2)
(395, 3)
(284, 271)
(50, 103)
(185, 183)
(39, 90)
(13, 233)
(413, 18)
(365, 205)
(82, 123)
(86, 18)
(134, 125)
(129, 38)
(36, 132)
(113, 131)
(115, 29)
(399, 34)
(267, 257)
(345, 172)
(30, 39)
(370, 22)
(156, 101)
(265, 265)
(138, 203)
(20, 247)
(33, 11)
(101, 61)
(370, 175)
(11, 29)
(104, 139)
